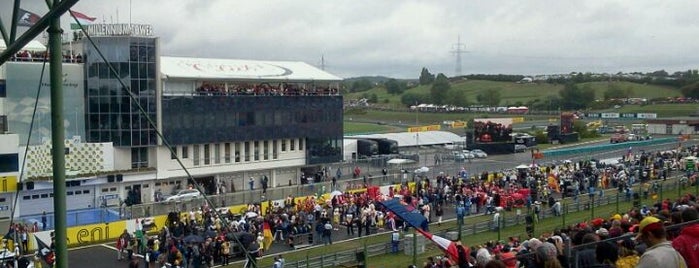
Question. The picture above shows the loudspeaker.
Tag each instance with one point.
(110, 178)
(74, 183)
(119, 177)
(30, 185)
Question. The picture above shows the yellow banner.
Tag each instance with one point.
(458, 124)
(517, 119)
(424, 128)
(8, 184)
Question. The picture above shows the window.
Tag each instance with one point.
(44, 195)
(301, 144)
(207, 155)
(86, 191)
(292, 144)
(217, 153)
(104, 190)
(275, 150)
(283, 145)
(237, 152)
(247, 151)
(185, 152)
(195, 154)
(35, 196)
(78, 192)
(227, 152)
(26, 197)
(113, 189)
(265, 147)
(256, 148)
(2, 199)
(173, 153)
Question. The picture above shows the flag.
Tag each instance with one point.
(444, 244)
(267, 233)
(82, 18)
(44, 251)
(26, 18)
(408, 214)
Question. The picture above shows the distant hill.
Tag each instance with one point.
(375, 79)
(513, 93)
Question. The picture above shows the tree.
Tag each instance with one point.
(439, 89)
(614, 91)
(426, 77)
(691, 90)
(490, 97)
(574, 98)
(360, 85)
(393, 86)
(457, 98)
(412, 98)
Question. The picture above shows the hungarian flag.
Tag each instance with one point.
(26, 18)
(82, 18)
(45, 252)
(267, 234)
(448, 246)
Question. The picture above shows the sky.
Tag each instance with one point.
(398, 38)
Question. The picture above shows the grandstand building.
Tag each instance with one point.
(227, 120)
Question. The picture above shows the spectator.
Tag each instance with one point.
(687, 243)
(659, 252)
(606, 254)
(628, 258)
(547, 256)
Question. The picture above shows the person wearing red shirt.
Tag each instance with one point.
(687, 243)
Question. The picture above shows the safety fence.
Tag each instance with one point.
(606, 147)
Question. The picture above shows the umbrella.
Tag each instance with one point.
(422, 170)
(211, 233)
(398, 161)
(335, 193)
(243, 238)
(193, 239)
(250, 214)
(522, 166)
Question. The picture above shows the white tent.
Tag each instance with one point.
(400, 161)
(33, 45)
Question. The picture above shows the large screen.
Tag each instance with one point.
(486, 130)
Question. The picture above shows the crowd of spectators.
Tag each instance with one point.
(204, 237)
(263, 89)
(26, 55)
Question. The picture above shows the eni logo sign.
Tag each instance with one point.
(89, 234)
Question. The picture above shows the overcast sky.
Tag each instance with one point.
(398, 38)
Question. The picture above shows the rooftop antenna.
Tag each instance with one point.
(458, 49)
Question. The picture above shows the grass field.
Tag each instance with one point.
(512, 93)
(663, 110)
(545, 225)
(353, 128)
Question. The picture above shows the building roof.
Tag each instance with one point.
(231, 69)
(33, 45)
(410, 139)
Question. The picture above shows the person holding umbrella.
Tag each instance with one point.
(251, 257)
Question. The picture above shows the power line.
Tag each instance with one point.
(458, 49)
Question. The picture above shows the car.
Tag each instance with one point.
(520, 148)
(187, 194)
(478, 153)
(458, 156)
(467, 154)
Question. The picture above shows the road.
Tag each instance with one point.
(87, 257)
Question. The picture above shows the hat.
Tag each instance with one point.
(602, 232)
(649, 224)
(616, 217)
(597, 221)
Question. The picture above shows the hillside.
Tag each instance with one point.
(512, 93)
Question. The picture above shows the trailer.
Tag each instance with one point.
(367, 148)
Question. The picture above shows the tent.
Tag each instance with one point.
(400, 161)
(33, 45)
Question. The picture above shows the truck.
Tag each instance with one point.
(367, 148)
(618, 137)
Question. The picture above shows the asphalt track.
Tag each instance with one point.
(104, 255)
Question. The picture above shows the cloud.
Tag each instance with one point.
(398, 38)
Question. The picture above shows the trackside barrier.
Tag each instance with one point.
(605, 147)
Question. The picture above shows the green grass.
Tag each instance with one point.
(635, 90)
(364, 128)
(663, 110)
